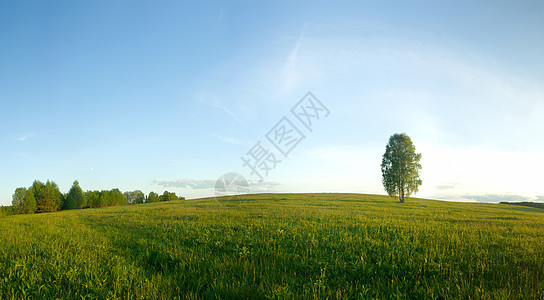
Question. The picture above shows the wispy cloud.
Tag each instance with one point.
(222, 108)
(230, 140)
(26, 137)
(221, 15)
(290, 71)
(473, 115)
(447, 186)
(463, 87)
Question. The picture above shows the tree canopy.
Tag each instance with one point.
(135, 197)
(46, 197)
(169, 196)
(75, 198)
(153, 197)
(93, 199)
(400, 167)
(23, 201)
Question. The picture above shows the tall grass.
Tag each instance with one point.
(276, 246)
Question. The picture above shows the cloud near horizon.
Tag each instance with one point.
(200, 184)
(497, 198)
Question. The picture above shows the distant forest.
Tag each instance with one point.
(530, 204)
(46, 197)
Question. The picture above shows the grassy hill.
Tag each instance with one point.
(276, 246)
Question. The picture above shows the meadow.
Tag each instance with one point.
(276, 246)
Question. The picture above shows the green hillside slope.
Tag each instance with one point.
(276, 246)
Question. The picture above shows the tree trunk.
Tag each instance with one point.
(401, 196)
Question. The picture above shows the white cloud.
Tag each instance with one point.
(26, 137)
(203, 184)
(496, 198)
(186, 183)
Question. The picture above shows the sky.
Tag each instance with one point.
(172, 95)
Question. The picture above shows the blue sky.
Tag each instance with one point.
(170, 95)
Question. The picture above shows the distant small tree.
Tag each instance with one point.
(105, 198)
(17, 199)
(138, 197)
(400, 167)
(100, 201)
(93, 198)
(38, 188)
(29, 205)
(169, 196)
(23, 201)
(128, 195)
(62, 200)
(135, 197)
(117, 198)
(76, 197)
(48, 197)
(153, 197)
(6, 211)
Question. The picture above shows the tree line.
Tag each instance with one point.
(46, 197)
(529, 204)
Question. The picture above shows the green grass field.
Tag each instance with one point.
(337, 246)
